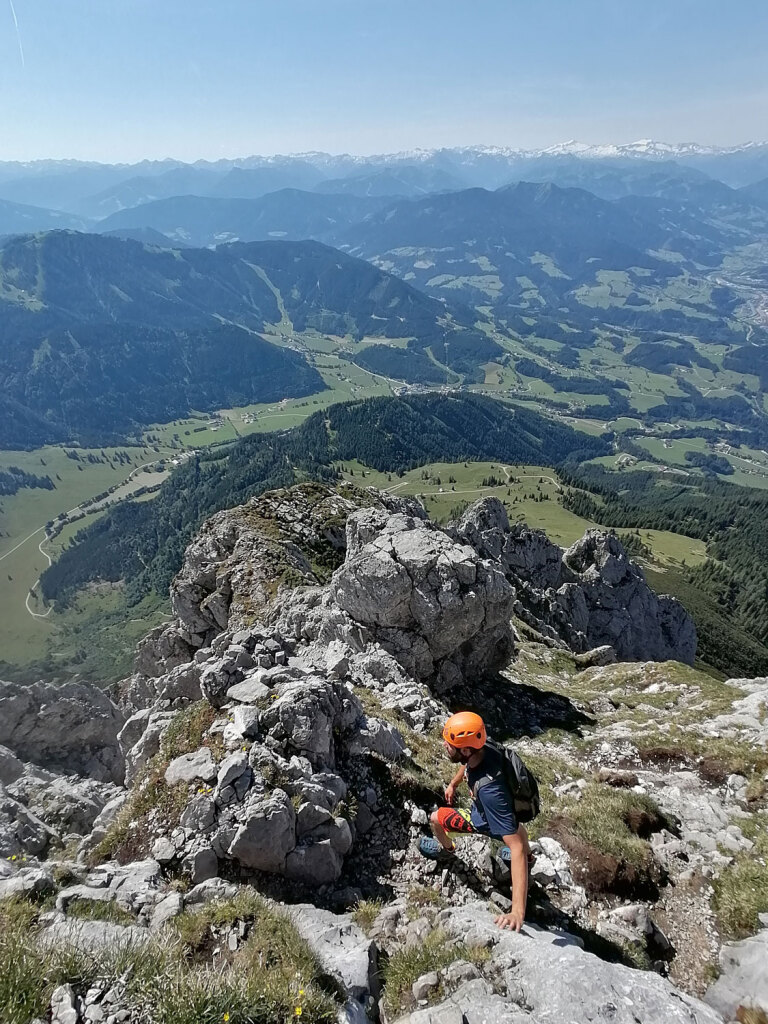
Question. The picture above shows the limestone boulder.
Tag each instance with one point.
(21, 831)
(428, 599)
(190, 767)
(743, 979)
(305, 715)
(380, 738)
(69, 727)
(547, 975)
(343, 949)
(67, 803)
(162, 650)
(314, 864)
(93, 936)
(149, 726)
(623, 611)
(11, 767)
(268, 833)
(28, 882)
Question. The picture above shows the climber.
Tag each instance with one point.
(493, 807)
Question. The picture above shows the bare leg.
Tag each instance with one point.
(521, 831)
(439, 833)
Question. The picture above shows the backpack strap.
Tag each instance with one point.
(483, 781)
(490, 776)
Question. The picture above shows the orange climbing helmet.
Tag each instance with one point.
(466, 729)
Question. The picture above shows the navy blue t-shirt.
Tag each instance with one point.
(493, 810)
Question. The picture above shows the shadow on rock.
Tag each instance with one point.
(511, 710)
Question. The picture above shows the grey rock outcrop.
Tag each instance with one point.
(93, 936)
(313, 776)
(621, 609)
(743, 980)
(162, 650)
(748, 717)
(233, 567)
(589, 596)
(435, 605)
(473, 1003)
(21, 831)
(267, 835)
(140, 739)
(70, 727)
(524, 553)
(548, 976)
(11, 767)
(189, 767)
(28, 882)
(343, 950)
(67, 803)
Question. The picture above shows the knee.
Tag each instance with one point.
(434, 818)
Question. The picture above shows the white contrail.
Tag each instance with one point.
(18, 34)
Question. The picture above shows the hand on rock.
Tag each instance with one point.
(513, 920)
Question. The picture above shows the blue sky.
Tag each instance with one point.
(128, 79)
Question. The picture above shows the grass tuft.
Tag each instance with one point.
(600, 818)
(741, 891)
(751, 1015)
(193, 926)
(408, 964)
(273, 975)
(366, 912)
(99, 910)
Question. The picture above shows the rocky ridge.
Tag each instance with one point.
(285, 738)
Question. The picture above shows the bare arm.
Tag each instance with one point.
(450, 789)
(519, 872)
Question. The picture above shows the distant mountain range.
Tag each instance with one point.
(526, 248)
(437, 257)
(97, 190)
(206, 220)
(18, 218)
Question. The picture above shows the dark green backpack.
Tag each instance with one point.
(521, 781)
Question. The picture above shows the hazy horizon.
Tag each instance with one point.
(194, 81)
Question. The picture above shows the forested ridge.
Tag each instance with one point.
(101, 337)
(143, 543)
